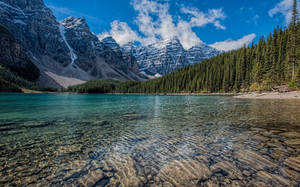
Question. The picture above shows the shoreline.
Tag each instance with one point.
(269, 95)
(162, 94)
(247, 95)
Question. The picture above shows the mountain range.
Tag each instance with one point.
(63, 53)
(164, 57)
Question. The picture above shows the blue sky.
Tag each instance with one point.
(224, 24)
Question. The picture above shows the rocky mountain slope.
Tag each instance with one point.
(167, 56)
(14, 57)
(201, 52)
(66, 53)
(93, 56)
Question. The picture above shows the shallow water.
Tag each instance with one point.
(131, 140)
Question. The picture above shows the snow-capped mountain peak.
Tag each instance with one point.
(110, 42)
(168, 55)
(72, 22)
(201, 52)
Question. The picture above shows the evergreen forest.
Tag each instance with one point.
(273, 61)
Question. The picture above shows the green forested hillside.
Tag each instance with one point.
(269, 63)
(16, 70)
(8, 87)
(11, 82)
(103, 86)
(96, 86)
(273, 61)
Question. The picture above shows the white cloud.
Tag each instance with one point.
(144, 20)
(200, 19)
(284, 8)
(186, 36)
(230, 44)
(219, 26)
(103, 35)
(155, 23)
(121, 32)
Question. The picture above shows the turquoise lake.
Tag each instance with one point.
(148, 140)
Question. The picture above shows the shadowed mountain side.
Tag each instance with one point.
(14, 57)
(69, 50)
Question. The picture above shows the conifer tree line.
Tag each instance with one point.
(12, 82)
(273, 61)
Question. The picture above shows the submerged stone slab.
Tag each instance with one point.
(266, 179)
(293, 143)
(185, 172)
(91, 178)
(293, 163)
(291, 134)
(254, 160)
(292, 174)
(125, 173)
(229, 168)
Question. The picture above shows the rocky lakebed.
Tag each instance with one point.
(154, 141)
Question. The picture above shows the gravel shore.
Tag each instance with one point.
(270, 95)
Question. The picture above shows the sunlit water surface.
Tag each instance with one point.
(131, 140)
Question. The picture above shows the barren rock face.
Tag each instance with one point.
(26, 4)
(127, 57)
(67, 50)
(88, 50)
(13, 56)
(35, 26)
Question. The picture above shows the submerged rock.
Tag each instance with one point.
(91, 178)
(295, 143)
(229, 168)
(133, 116)
(185, 172)
(125, 173)
(293, 163)
(294, 175)
(254, 160)
(265, 179)
(291, 134)
(68, 149)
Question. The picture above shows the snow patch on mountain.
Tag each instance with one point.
(72, 54)
(157, 75)
(17, 10)
(167, 56)
(110, 42)
(17, 21)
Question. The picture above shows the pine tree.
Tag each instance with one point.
(258, 67)
(274, 55)
(298, 54)
(293, 38)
